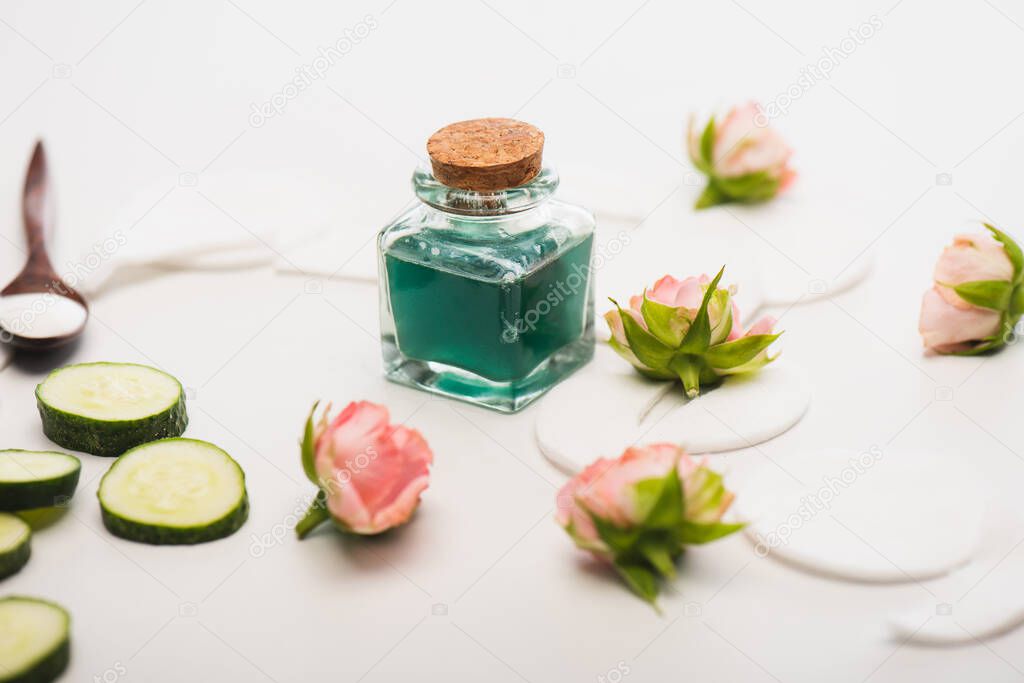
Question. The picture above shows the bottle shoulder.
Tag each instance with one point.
(498, 248)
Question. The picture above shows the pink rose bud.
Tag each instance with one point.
(370, 473)
(976, 298)
(689, 330)
(639, 511)
(744, 159)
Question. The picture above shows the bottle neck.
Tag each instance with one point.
(484, 207)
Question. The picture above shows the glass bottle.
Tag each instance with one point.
(487, 296)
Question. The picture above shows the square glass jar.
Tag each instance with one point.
(487, 297)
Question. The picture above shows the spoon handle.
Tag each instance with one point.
(33, 207)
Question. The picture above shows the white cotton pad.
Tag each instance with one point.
(880, 515)
(979, 601)
(810, 243)
(784, 289)
(594, 413)
(934, 623)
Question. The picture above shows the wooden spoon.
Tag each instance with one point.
(53, 319)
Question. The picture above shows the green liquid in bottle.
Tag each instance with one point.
(500, 328)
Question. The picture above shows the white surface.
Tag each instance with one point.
(574, 428)
(922, 513)
(168, 90)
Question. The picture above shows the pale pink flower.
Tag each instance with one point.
(947, 328)
(685, 296)
(745, 149)
(948, 323)
(371, 471)
(606, 489)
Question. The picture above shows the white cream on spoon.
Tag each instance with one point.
(41, 315)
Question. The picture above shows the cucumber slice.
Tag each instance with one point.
(174, 491)
(35, 644)
(107, 408)
(36, 479)
(15, 536)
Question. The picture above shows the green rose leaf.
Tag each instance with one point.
(659, 502)
(691, 533)
(657, 374)
(698, 337)
(619, 540)
(630, 357)
(655, 549)
(1013, 251)
(308, 452)
(705, 499)
(994, 294)
(666, 323)
(757, 363)
(721, 300)
(752, 187)
(707, 144)
(979, 349)
(640, 578)
(1017, 303)
(711, 196)
(647, 348)
(735, 353)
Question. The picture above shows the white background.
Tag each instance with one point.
(130, 96)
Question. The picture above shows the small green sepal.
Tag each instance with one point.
(308, 448)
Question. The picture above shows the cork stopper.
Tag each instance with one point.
(486, 155)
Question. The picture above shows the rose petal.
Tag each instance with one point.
(971, 258)
(615, 326)
(568, 508)
(665, 290)
(763, 326)
(742, 147)
(686, 293)
(611, 496)
(942, 324)
(345, 505)
(401, 507)
(357, 427)
(737, 326)
(372, 472)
